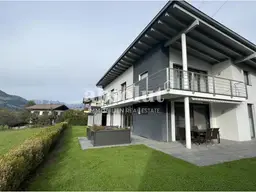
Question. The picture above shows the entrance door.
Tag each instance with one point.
(104, 119)
(251, 120)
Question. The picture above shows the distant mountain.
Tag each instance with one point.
(11, 101)
(70, 106)
(47, 102)
(16, 102)
(75, 106)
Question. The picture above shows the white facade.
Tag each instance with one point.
(126, 77)
(232, 119)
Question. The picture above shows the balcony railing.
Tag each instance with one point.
(176, 79)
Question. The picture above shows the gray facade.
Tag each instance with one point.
(150, 124)
(154, 61)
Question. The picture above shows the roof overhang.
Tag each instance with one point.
(207, 39)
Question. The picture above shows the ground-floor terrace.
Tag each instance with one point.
(200, 155)
(176, 120)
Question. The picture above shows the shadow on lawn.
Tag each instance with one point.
(51, 158)
(164, 172)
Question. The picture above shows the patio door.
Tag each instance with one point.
(251, 120)
(201, 116)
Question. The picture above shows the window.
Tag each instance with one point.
(112, 95)
(123, 90)
(246, 78)
(143, 75)
(251, 119)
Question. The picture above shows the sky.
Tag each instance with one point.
(59, 50)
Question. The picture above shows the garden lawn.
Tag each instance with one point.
(134, 168)
(12, 138)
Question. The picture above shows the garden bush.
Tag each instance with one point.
(74, 117)
(18, 163)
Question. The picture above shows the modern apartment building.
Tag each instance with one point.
(184, 69)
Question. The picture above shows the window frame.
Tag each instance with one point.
(247, 80)
(141, 74)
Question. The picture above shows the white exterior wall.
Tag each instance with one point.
(97, 118)
(108, 119)
(232, 119)
(127, 77)
(90, 120)
(117, 118)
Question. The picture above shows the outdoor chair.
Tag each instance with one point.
(194, 134)
(208, 136)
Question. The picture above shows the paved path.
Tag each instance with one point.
(201, 155)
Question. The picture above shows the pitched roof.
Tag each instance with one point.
(47, 107)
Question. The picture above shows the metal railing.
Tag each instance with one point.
(170, 78)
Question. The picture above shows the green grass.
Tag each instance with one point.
(134, 168)
(12, 138)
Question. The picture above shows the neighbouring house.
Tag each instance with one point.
(47, 109)
(184, 69)
(96, 115)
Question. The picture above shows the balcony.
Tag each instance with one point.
(176, 82)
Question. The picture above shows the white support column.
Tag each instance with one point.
(171, 78)
(167, 121)
(173, 128)
(187, 122)
(186, 86)
(184, 61)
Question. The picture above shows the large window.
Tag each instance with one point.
(197, 83)
(246, 78)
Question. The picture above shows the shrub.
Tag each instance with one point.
(3, 127)
(74, 117)
(18, 163)
(44, 120)
(97, 128)
(13, 118)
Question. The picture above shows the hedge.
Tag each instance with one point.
(19, 162)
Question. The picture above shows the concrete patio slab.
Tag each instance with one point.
(200, 155)
(204, 155)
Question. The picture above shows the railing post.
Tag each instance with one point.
(231, 88)
(213, 85)
(146, 85)
(246, 90)
(192, 82)
(133, 95)
(167, 78)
